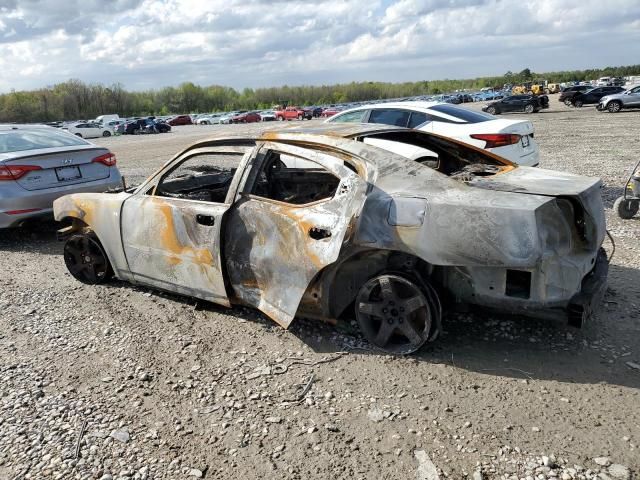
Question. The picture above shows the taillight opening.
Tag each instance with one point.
(493, 140)
(14, 172)
(108, 159)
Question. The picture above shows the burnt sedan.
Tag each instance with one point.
(329, 223)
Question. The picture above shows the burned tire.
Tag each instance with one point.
(614, 107)
(529, 108)
(626, 208)
(396, 313)
(86, 260)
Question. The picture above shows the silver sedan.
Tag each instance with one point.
(39, 164)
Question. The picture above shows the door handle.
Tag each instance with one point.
(319, 233)
(207, 220)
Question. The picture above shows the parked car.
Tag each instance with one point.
(293, 113)
(619, 101)
(226, 118)
(180, 120)
(353, 231)
(567, 93)
(517, 103)
(212, 119)
(39, 164)
(88, 130)
(246, 117)
(511, 139)
(268, 115)
(331, 111)
(593, 96)
(312, 112)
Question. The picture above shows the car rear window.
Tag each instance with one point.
(21, 140)
(465, 116)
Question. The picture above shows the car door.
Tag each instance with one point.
(632, 99)
(295, 210)
(171, 227)
(510, 104)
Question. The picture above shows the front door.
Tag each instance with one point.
(290, 221)
(171, 228)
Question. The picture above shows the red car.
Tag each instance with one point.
(246, 117)
(180, 120)
(330, 111)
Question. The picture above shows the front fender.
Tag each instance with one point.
(101, 213)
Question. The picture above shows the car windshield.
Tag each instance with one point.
(21, 140)
(464, 115)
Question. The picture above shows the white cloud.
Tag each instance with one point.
(241, 43)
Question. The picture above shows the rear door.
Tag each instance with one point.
(171, 228)
(290, 221)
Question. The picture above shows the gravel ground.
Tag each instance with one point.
(119, 382)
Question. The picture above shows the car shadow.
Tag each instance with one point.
(521, 347)
(35, 235)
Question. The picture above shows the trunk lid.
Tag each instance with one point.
(59, 167)
(538, 181)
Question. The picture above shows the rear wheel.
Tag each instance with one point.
(106, 133)
(529, 108)
(567, 102)
(614, 107)
(395, 314)
(626, 208)
(86, 259)
(578, 104)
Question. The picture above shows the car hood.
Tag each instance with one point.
(538, 181)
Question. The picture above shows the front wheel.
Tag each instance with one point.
(106, 133)
(614, 107)
(568, 103)
(626, 208)
(300, 117)
(578, 104)
(491, 110)
(395, 314)
(281, 119)
(86, 260)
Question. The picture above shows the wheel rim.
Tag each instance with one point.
(614, 107)
(394, 314)
(86, 259)
(528, 109)
(492, 111)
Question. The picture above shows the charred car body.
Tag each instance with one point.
(326, 223)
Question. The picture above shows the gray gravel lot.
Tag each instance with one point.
(121, 382)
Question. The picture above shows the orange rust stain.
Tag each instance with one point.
(170, 241)
(506, 169)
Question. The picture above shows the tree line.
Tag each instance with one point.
(74, 99)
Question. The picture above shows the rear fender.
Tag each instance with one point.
(100, 213)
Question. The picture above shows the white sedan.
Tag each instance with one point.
(88, 130)
(510, 139)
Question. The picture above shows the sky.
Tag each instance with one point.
(257, 43)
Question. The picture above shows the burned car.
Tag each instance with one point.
(328, 223)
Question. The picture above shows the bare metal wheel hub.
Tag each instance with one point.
(394, 313)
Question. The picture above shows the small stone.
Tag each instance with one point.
(311, 429)
(331, 427)
(106, 476)
(120, 435)
(565, 476)
(535, 429)
(375, 415)
(273, 419)
(545, 459)
(107, 379)
(477, 475)
(328, 395)
(602, 461)
(144, 377)
(467, 424)
(195, 472)
(619, 472)
(279, 448)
